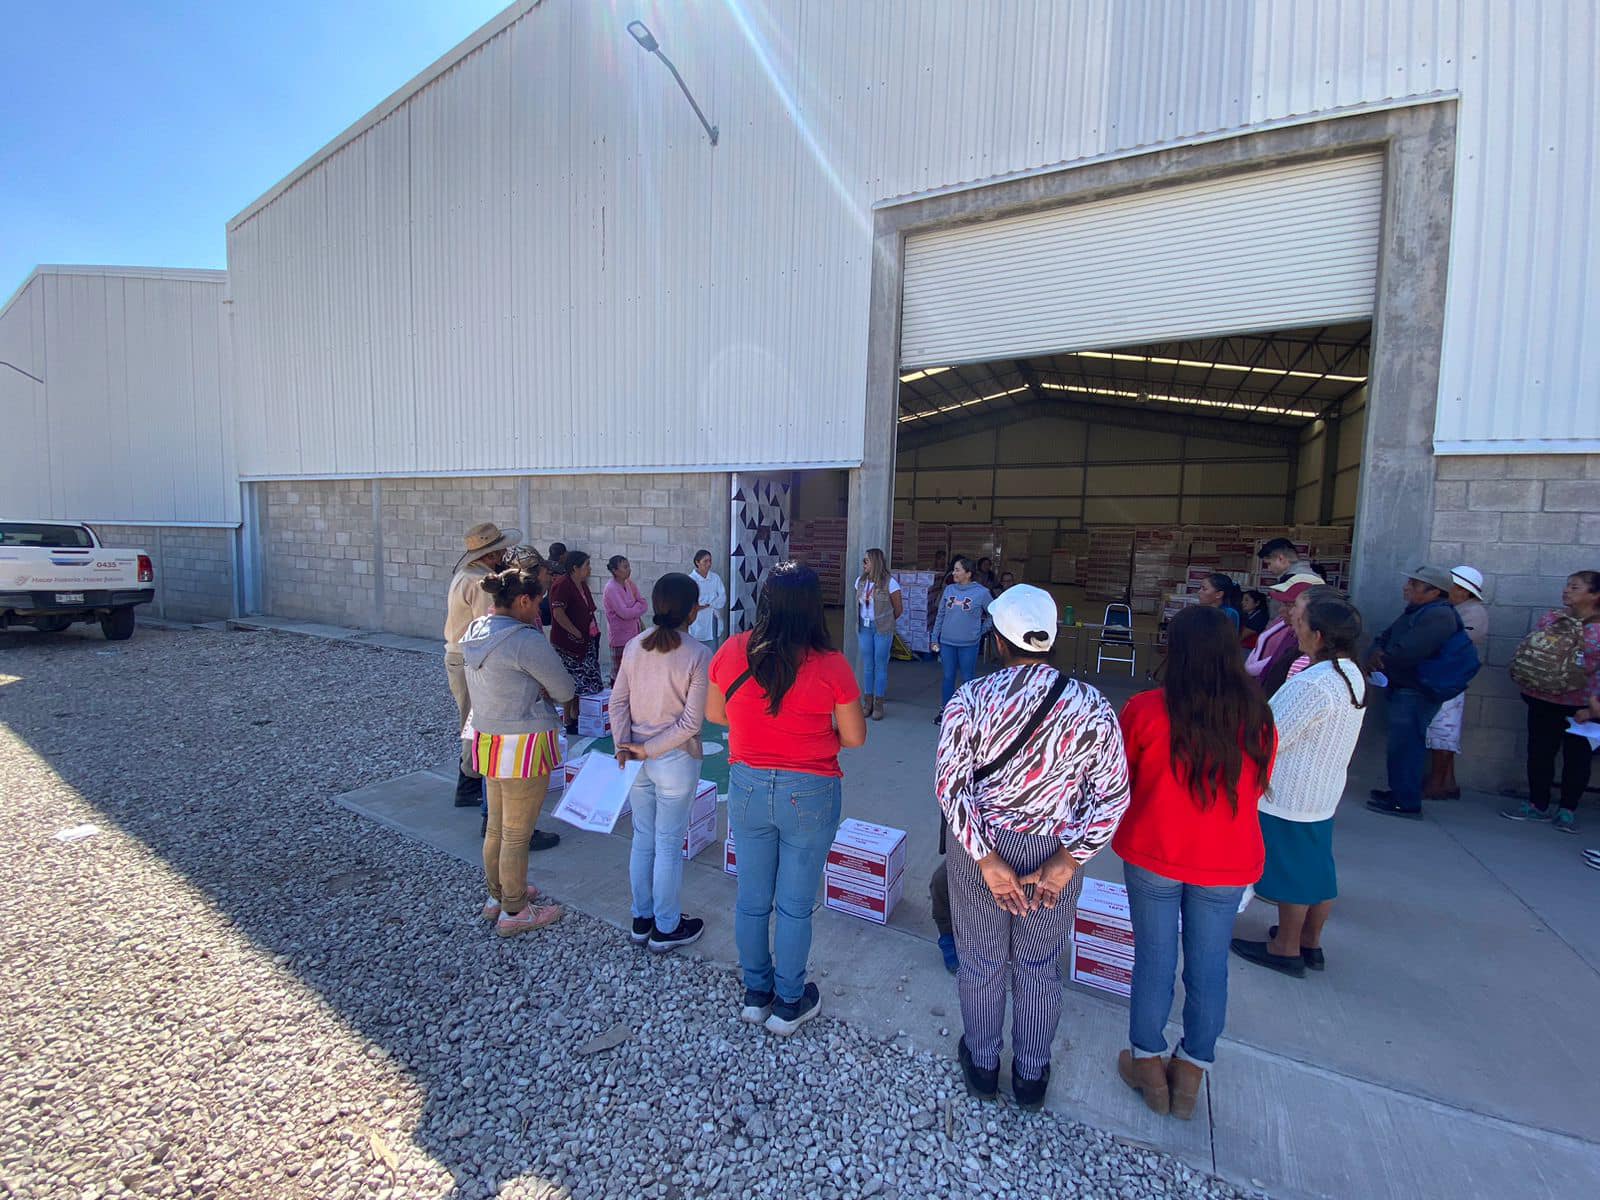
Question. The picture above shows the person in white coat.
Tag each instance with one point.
(707, 625)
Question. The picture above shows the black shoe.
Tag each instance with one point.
(1382, 795)
(572, 729)
(789, 1015)
(543, 841)
(1312, 958)
(469, 791)
(1257, 952)
(1390, 809)
(688, 931)
(1029, 1093)
(640, 933)
(757, 1007)
(982, 1084)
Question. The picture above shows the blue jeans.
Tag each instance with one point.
(661, 798)
(1410, 713)
(783, 823)
(875, 649)
(956, 660)
(1154, 902)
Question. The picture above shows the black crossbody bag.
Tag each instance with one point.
(1017, 743)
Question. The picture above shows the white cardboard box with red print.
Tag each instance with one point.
(1105, 972)
(864, 902)
(868, 855)
(702, 831)
(730, 858)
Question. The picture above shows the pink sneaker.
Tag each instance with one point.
(491, 907)
(528, 920)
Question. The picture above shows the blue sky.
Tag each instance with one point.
(130, 133)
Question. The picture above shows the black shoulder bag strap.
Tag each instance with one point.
(737, 684)
(1017, 743)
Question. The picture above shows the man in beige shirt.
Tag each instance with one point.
(486, 546)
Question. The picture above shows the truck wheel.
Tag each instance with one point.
(52, 624)
(118, 627)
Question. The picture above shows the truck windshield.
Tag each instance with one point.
(18, 533)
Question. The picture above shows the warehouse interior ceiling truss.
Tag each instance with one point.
(1271, 384)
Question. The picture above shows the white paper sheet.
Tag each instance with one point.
(594, 800)
(1589, 730)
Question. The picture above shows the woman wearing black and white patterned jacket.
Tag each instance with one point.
(1032, 778)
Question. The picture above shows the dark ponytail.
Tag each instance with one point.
(1339, 623)
(673, 599)
(505, 586)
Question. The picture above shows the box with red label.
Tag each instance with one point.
(1102, 935)
(867, 903)
(594, 714)
(867, 855)
(1105, 972)
(730, 859)
(701, 833)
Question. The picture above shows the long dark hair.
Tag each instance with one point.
(789, 626)
(1232, 596)
(1339, 623)
(673, 599)
(505, 586)
(1218, 714)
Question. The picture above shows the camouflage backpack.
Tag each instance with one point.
(1550, 660)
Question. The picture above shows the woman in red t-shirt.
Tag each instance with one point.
(789, 700)
(1200, 751)
(574, 632)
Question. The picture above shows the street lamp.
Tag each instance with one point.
(647, 42)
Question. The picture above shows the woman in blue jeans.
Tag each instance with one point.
(658, 702)
(878, 606)
(790, 702)
(959, 626)
(1200, 751)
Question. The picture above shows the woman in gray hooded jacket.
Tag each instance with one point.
(513, 674)
(961, 623)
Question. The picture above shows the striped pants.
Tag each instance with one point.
(997, 950)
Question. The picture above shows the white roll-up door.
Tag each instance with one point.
(1278, 249)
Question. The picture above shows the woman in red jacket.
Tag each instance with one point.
(1199, 754)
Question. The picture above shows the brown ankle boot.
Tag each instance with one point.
(866, 705)
(1183, 1081)
(1147, 1076)
(877, 708)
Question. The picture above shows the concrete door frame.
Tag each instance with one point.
(1397, 471)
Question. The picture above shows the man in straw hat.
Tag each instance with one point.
(486, 546)
(1417, 635)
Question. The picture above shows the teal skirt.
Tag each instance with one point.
(1299, 866)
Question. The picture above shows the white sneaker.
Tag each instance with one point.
(491, 907)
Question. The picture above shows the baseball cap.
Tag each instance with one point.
(1023, 610)
(1291, 588)
(1469, 579)
(1434, 577)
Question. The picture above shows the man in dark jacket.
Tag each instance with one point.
(1418, 634)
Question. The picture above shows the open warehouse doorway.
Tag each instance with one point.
(1125, 475)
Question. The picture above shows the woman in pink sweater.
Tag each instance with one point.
(624, 608)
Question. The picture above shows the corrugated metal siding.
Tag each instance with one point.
(132, 422)
(550, 269)
(1267, 250)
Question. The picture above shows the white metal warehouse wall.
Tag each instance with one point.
(131, 424)
(530, 258)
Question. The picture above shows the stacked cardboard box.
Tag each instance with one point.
(1065, 566)
(903, 544)
(820, 544)
(915, 623)
(730, 858)
(702, 819)
(980, 541)
(558, 777)
(866, 870)
(594, 714)
(1102, 938)
(1105, 576)
(1154, 572)
(933, 545)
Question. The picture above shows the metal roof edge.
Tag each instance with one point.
(480, 37)
(17, 295)
(191, 274)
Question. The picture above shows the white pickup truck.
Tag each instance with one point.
(53, 574)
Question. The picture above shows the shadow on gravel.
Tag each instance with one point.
(222, 751)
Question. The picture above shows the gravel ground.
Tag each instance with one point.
(237, 988)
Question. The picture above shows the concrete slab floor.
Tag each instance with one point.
(1435, 1057)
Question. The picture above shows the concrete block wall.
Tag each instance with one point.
(194, 568)
(1527, 522)
(379, 553)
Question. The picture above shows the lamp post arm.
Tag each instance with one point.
(711, 130)
(36, 379)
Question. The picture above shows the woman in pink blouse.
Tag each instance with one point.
(625, 608)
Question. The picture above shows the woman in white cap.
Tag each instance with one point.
(1032, 780)
(1444, 731)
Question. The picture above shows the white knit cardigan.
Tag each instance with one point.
(1317, 732)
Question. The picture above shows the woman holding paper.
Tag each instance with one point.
(790, 701)
(658, 702)
(1199, 753)
(512, 676)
